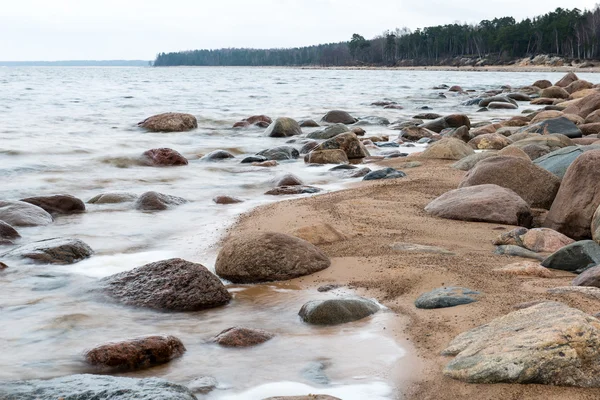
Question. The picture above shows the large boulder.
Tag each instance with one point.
(283, 127)
(338, 117)
(328, 132)
(559, 160)
(135, 354)
(164, 157)
(450, 121)
(154, 201)
(19, 213)
(94, 387)
(337, 311)
(548, 343)
(578, 85)
(533, 184)
(280, 153)
(482, 203)
(242, 337)
(561, 125)
(448, 149)
(268, 256)
(542, 84)
(174, 285)
(566, 80)
(497, 99)
(551, 142)
(348, 142)
(578, 198)
(335, 156)
(53, 251)
(575, 257)
(170, 122)
(489, 141)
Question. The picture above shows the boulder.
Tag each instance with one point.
(337, 311)
(525, 268)
(578, 85)
(561, 125)
(448, 149)
(318, 234)
(414, 133)
(335, 156)
(242, 337)
(164, 157)
(516, 251)
(455, 88)
(446, 297)
(95, 387)
(135, 354)
(265, 164)
(113, 198)
(501, 106)
(489, 141)
(427, 116)
(589, 277)
(174, 285)
(19, 213)
(461, 133)
(542, 84)
(227, 200)
(552, 142)
(280, 153)
(513, 152)
(590, 129)
(558, 161)
(469, 162)
(328, 132)
(449, 121)
(585, 106)
(253, 159)
(385, 173)
(567, 80)
(555, 92)
(308, 123)
(217, 155)
(533, 184)
(575, 257)
(291, 190)
(7, 233)
(482, 203)
(593, 117)
(154, 201)
(170, 122)
(517, 96)
(544, 240)
(497, 99)
(309, 146)
(338, 117)
(548, 343)
(348, 142)
(544, 115)
(283, 127)
(53, 251)
(578, 198)
(371, 120)
(257, 119)
(268, 256)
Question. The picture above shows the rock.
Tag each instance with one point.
(287, 180)
(268, 256)
(516, 251)
(283, 127)
(154, 201)
(308, 123)
(309, 146)
(217, 155)
(414, 133)
(20, 213)
(535, 151)
(227, 200)
(578, 85)
(587, 291)
(203, 385)
(242, 337)
(169, 122)
(339, 117)
(328, 132)
(525, 268)
(113, 198)
(589, 277)
(358, 173)
(174, 284)
(558, 161)
(242, 124)
(53, 251)
(496, 99)
(318, 234)
(419, 248)
(590, 129)
(448, 149)
(489, 141)
(585, 105)
(586, 141)
(309, 397)
(164, 157)
(371, 120)
(469, 162)
(542, 84)
(574, 257)
(544, 115)
(567, 80)
(385, 173)
(337, 311)
(543, 101)
(335, 156)
(427, 116)
(329, 287)
(533, 184)
(518, 96)
(482, 203)
(461, 133)
(549, 343)
(595, 226)
(289, 190)
(256, 119)
(446, 297)
(95, 387)
(57, 204)
(501, 106)
(449, 121)
(358, 131)
(348, 142)
(7, 233)
(455, 88)
(253, 159)
(513, 152)
(136, 354)
(266, 164)
(577, 199)
(540, 240)
(593, 117)
(555, 92)
(560, 125)
(280, 153)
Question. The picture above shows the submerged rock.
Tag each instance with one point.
(217, 155)
(153, 201)
(170, 122)
(19, 213)
(337, 311)
(227, 200)
(242, 337)
(53, 251)
(57, 204)
(348, 142)
(164, 157)
(7, 233)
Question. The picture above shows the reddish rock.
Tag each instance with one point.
(593, 117)
(287, 180)
(154, 201)
(258, 118)
(585, 106)
(242, 337)
(348, 142)
(136, 354)
(170, 122)
(269, 163)
(525, 268)
(164, 157)
(242, 124)
(555, 92)
(7, 233)
(227, 200)
(589, 277)
(567, 80)
(57, 204)
(544, 240)
(455, 88)
(289, 190)
(542, 84)
(590, 129)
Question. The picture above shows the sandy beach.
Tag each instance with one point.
(373, 216)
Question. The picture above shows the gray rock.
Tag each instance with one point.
(446, 297)
(280, 153)
(560, 125)
(467, 163)
(338, 117)
(589, 277)
(283, 127)
(372, 120)
(517, 251)
(386, 173)
(217, 155)
(203, 385)
(337, 311)
(559, 160)
(94, 387)
(328, 132)
(419, 248)
(57, 204)
(53, 251)
(7, 233)
(575, 257)
(252, 159)
(153, 201)
(19, 213)
(496, 99)
(113, 198)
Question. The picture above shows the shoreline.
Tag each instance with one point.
(373, 215)
(448, 68)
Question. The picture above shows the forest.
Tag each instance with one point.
(571, 34)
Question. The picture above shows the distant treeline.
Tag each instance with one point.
(77, 63)
(564, 33)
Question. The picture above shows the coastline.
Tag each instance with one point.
(374, 215)
(492, 68)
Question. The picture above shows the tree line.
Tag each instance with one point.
(572, 34)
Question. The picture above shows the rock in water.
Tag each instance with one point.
(448, 149)
(53, 251)
(164, 157)
(57, 204)
(339, 117)
(575, 257)
(113, 198)
(328, 132)
(136, 354)
(96, 387)
(7, 233)
(291, 190)
(482, 203)
(308, 397)
(335, 156)
(153, 201)
(337, 311)
(446, 297)
(560, 125)
(19, 213)
(348, 142)
(217, 155)
(173, 284)
(283, 127)
(548, 343)
(227, 200)
(242, 337)
(170, 122)
(269, 256)
(280, 153)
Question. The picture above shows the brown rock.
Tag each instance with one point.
(319, 234)
(290, 190)
(595, 226)
(227, 200)
(283, 127)
(593, 117)
(448, 149)
(242, 337)
(535, 151)
(258, 118)
(287, 180)
(339, 117)
(57, 204)
(335, 156)
(489, 141)
(542, 101)
(513, 152)
(154, 201)
(544, 115)
(590, 129)
(358, 131)
(542, 84)
(414, 133)
(525, 268)
(136, 354)
(578, 85)
(589, 277)
(585, 106)
(164, 157)
(586, 141)
(491, 128)
(461, 133)
(170, 122)
(268, 256)
(242, 124)
(458, 120)
(555, 92)
(455, 88)
(567, 80)
(578, 198)
(348, 142)
(3, 266)
(309, 146)
(7, 233)
(544, 240)
(269, 163)
(575, 97)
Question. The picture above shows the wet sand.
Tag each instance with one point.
(375, 215)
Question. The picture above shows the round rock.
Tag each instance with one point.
(337, 311)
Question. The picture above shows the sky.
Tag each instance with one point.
(48, 30)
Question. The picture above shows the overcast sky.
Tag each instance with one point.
(139, 29)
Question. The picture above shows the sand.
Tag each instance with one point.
(374, 215)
